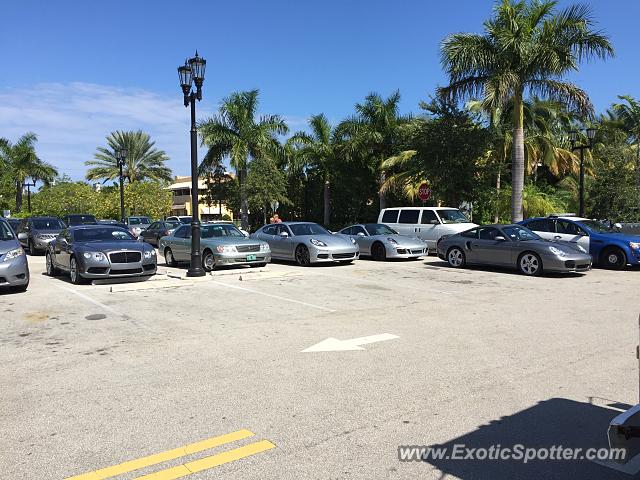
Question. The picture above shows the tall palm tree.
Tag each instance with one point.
(143, 162)
(235, 133)
(318, 150)
(374, 130)
(525, 47)
(20, 161)
(628, 116)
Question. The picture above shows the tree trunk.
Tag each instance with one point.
(517, 162)
(496, 217)
(244, 205)
(327, 203)
(18, 196)
(381, 194)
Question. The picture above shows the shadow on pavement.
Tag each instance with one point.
(556, 421)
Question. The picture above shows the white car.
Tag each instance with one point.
(426, 223)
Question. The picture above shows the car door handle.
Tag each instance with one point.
(597, 241)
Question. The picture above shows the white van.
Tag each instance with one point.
(427, 223)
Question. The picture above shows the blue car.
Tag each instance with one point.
(608, 247)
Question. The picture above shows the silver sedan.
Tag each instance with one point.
(14, 269)
(381, 242)
(306, 243)
(512, 246)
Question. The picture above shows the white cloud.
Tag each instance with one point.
(71, 120)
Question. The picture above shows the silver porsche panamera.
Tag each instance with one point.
(307, 243)
(381, 242)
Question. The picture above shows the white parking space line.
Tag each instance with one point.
(278, 297)
(90, 300)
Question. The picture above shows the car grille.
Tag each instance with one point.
(343, 255)
(125, 257)
(47, 236)
(248, 248)
(417, 251)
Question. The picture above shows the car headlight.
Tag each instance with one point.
(226, 249)
(11, 254)
(634, 245)
(319, 243)
(97, 256)
(392, 241)
(557, 252)
(264, 247)
(149, 254)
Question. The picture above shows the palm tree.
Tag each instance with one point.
(235, 133)
(20, 161)
(317, 149)
(374, 130)
(525, 47)
(143, 162)
(628, 116)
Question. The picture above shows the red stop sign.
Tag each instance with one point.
(424, 192)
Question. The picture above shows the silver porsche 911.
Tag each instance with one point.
(306, 243)
(381, 242)
(512, 246)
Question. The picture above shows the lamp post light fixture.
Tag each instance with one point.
(192, 73)
(573, 137)
(121, 158)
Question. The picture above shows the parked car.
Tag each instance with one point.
(220, 244)
(14, 269)
(381, 242)
(110, 221)
(426, 223)
(608, 247)
(35, 233)
(157, 230)
(79, 219)
(13, 223)
(186, 219)
(512, 246)
(99, 251)
(307, 243)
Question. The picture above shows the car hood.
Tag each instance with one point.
(110, 246)
(8, 245)
(543, 244)
(332, 240)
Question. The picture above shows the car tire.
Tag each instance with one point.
(378, 252)
(52, 271)
(530, 264)
(32, 249)
(168, 258)
(613, 258)
(74, 272)
(208, 261)
(258, 265)
(456, 258)
(303, 258)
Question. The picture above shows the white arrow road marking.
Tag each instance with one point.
(334, 345)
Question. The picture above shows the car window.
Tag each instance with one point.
(452, 216)
(269, 230)
(221, 230)
(5, 231)
(489, 233)
(409, 216)
(307, 229)
(390, 216)
(379, 229)
(182, 232)
(539, 225)
(568, 228)
(357, 229)
(519, 233)
(154, 226)
(473, 233)
(101, 234)
(47, 224)
(428, 216)
(347, 231)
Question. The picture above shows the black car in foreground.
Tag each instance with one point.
(92, 252)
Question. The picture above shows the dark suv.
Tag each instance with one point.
(35, 233)
(79, 219)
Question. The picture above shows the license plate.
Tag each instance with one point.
(250, 258)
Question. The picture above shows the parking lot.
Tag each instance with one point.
(97, 375)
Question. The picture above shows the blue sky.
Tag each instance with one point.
(73, 71)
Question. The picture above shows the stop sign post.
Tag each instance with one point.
(424, 192)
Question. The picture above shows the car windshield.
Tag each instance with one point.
(379, 229)
(222, 230)
(520, 234)
(47, 224)
(596, 226)
(171, 224)
(452, 216)
(185, 220)
(82, 219)
(106, 234)
(5, 232)
(139, 221)
(308, 229)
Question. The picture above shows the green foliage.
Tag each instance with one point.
(265, 183)
(143, 162)
(536, 202)
(64, 198)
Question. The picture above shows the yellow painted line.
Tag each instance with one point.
(209, 462)
(132, 465)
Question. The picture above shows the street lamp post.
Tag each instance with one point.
(29, 185)
(192, 72)
(121, 157)
(573, 137)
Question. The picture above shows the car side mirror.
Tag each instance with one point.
(22, 236)
(617, 226)
(434, 222)
(500, 238)
(284, 234)
(360, 234)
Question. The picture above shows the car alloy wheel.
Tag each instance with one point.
(379, 252)
(208, 261)
(456, 258)
(76, 278)
(302, 256)
(168, 257)
(614, 258)
(51, 270)
(530, 264)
